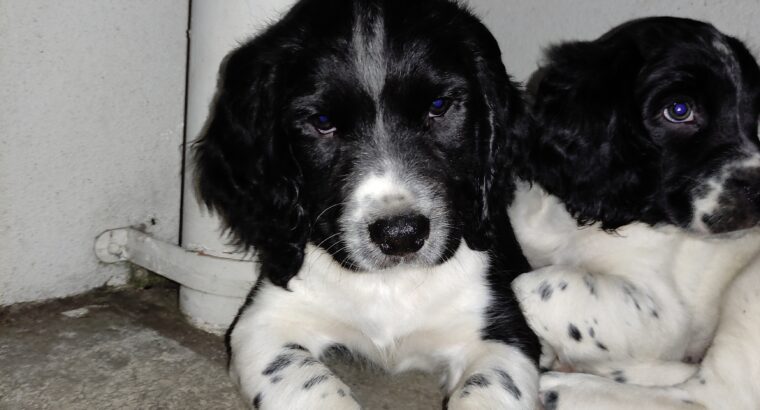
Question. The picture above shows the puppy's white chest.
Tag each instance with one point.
(398, 317)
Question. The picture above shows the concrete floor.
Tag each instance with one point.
(131, 349)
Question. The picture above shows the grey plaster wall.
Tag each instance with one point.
(91, 122)
(524, 27)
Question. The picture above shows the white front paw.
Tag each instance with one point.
(578, 391)
(491, 390)
(318, 392)
(567, 391)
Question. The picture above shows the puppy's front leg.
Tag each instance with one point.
(578, 391)
(589, 317)
(496, 376)
(274, 362)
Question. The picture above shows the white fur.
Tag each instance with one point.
(400, 318)
(681, 276)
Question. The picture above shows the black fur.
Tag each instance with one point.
(602, 144)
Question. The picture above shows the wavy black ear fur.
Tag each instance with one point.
(244, 165)
(590, 147)
(506, 119)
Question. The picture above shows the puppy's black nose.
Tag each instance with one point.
(400, 235)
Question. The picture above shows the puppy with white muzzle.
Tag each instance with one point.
(360, 148)
(640, 206)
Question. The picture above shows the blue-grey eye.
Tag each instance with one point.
(323, 124)
(679, 112)
(438, 107)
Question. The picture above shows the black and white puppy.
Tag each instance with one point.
(360, 147)
(639, 207)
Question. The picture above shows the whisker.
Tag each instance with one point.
(323, 212)
(328, 238)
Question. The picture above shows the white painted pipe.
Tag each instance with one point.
(216, 27)
(213, 287)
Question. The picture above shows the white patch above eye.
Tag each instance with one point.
(368, 43)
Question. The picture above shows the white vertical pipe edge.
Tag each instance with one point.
(216, 27)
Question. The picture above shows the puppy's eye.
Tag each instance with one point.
(323, 124)
(679, 112)
(438, 107)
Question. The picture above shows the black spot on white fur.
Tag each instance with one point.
(257, 401)
(295, 346)
(308, 361)
(545, 290)
(574, 333)
(315, 381)
(630, 294)
(337, 350)
(478, 380)
(590, 283)
(619, 376)
(280, 362)
(551, 399)
(602, 346)
(508, 384)
(475, 381)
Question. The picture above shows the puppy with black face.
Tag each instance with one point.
(360, 148)
(640, 203)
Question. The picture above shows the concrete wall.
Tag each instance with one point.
(91, 123)
(524, 27)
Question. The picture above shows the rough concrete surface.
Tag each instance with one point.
(133, 350)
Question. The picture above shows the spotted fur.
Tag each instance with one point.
(649, 222)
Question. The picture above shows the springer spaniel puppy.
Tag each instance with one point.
(360, 147)
(639, 207)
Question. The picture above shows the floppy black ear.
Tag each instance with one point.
(590, 147)
(503, 118)
(244, 165)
